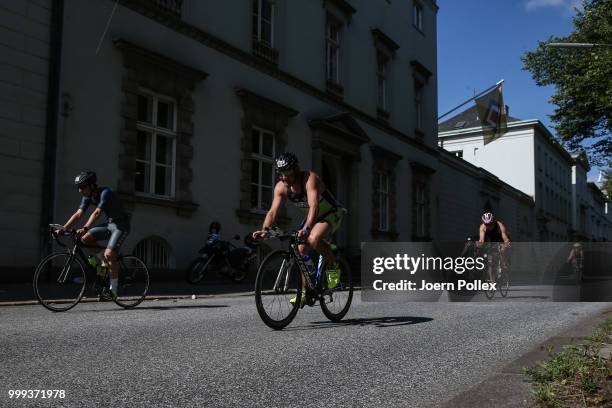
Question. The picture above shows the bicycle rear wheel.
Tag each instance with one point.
(335, 302)
(278, 280)
(133, 281)
(59, 281)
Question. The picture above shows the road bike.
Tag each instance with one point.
(60, 278)
(496, 270)
(280, 277)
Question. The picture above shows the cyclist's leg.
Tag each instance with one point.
(324, 228)
(94, 235)
(117, 237)
(316, 239)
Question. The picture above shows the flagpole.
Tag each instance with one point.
(107, 25)
(472, 98)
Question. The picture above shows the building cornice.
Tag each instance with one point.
(421, 69)
(254, 99)
(342, 5)
(385, 40)
(144, 8)
(381, 152)
(157, 59)
(533, 123)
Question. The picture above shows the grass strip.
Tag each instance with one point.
(576, 377)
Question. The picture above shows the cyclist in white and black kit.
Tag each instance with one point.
(115, 229)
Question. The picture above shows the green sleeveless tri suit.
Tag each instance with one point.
(329, 211)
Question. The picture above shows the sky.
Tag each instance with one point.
(482, 41)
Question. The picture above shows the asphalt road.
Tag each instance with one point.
(216, 352)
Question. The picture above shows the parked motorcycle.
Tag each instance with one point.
(224, 257)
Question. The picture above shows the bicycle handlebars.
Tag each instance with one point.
(58, 230)
(276, 232)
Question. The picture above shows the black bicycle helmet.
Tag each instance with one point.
(286, 161)
(85, 178)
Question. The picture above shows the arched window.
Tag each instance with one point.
(155, 252)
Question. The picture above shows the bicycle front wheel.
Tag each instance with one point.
(504, 283)
(489, 277)
(59, 281)
(337, 293)
(278, 281)
(133, 281)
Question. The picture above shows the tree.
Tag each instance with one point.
(583, 81)
(607, 183)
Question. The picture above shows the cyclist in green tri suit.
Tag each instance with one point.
(307, 192)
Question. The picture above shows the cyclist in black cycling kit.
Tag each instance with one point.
(116, 228)
(493, 230)
(307, 192)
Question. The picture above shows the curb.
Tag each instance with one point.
(151, 297)
(147, 298)
(507, 388)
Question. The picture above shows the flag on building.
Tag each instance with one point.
(492, 114)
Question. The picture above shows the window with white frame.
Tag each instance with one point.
(333, 49)
(382, 62)
(417, 15)
(382, 191)
(421, 205)
(263, 22)
(418, 104)
(156, 145)
(262, 169)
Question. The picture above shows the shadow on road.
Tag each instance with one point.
(393, 321)
(179, 307)
(137, 308)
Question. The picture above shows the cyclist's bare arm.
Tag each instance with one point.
(74, 218)
(93, 217)
(481, 234)
(280, 191)
(313, 193)
(504, 233)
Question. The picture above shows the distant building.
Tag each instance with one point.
(530, 159)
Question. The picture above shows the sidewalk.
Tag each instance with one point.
(22, 293)
(507, 388)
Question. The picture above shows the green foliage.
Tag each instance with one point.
(607, 186)
(583, 81)
(574, 377)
